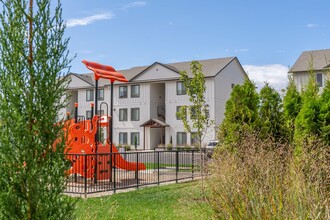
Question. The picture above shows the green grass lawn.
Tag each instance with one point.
(175, 201)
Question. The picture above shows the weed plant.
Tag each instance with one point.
(264, 179)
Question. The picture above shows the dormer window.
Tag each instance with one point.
(319, 79)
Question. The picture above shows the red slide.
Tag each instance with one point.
(124, 164)
(119, 161)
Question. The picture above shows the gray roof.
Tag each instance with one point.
(319, 58)
(132, 72)
(211, 68)
(154, 122)
(84, 77)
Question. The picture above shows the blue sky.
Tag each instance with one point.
(267, 36)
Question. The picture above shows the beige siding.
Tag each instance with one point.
(301, 79)
(173, 100)
(85, 105)
(232, 74)
(143, 103)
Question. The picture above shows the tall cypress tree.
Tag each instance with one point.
(271, 115)
(241, 113)
(291, 107)
(307, 124)
(34, 60)
(324, 116)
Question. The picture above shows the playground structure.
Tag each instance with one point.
(85, 136)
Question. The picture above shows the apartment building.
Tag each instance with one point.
(145, 107)
(316, 60)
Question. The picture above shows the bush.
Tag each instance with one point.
(169, 147)
(187, 148)
(263, 179)
(127, 147)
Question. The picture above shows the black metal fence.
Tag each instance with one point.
(121, 170)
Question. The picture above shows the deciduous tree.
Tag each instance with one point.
(195, 88)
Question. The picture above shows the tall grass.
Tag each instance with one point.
(263, 179)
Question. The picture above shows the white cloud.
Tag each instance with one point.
(88, 20)
(312, 25)
(134, 4)
(275, 74)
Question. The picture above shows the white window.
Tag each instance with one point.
(123, 114)
(122, 137)
(135, 114)
(100, 112)
(181, 138)
(122, 92)
(89, 95)
(88, 115)
(135, 136)
(135, 91)
(319, 79)
(100, 94)
(180, 89)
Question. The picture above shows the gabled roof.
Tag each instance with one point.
(102, 82)
(211, 68)
(319, 58)
(155, 123)
(84, 77)
(155, 63)
(132, 72)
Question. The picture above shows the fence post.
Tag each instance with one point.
(177, 165)
(114, 172)
(158, 166)
(75, 174)
(85, 171)
(111, 167)
(192, 164)
(137, 170)
(110, 171)
(154, 160)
